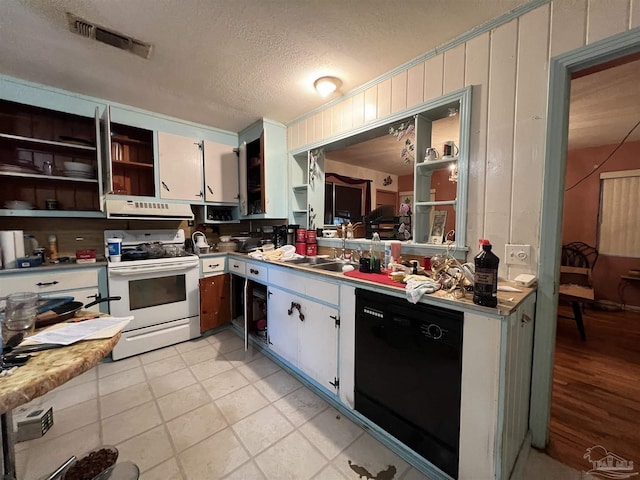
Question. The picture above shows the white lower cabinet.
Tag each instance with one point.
(305, 333)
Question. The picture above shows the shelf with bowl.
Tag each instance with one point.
(37, 144)
(41, 176)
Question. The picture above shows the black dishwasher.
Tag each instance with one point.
(408, 364)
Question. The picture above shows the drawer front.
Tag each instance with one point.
(288, 280)
(324, 291)
(237, 266)
(213, 265)
(257, 271)
(45, 282)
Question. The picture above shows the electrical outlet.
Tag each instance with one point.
(517, 254)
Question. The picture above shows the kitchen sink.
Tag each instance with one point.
(310, 261)
(333, 266)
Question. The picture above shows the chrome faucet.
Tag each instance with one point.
(344, 244)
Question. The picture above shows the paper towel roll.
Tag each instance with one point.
(18, 238)
(8, 245)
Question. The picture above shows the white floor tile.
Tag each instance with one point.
(124, 399)
(88, 376)
(156, 355)
(540, 465)
(248, 471)
(413, 474)
(70, 419)
(330, 473)
(192, 344)
(330, 432)
(258, 369)
(165, 366)
(277, 385)
(128, 424)
(240, 357)
(224, 383)
(214, 457)
(147, 449)
(112, 383)
(291, 458)
(74, 395)
(199, 355)
(190, 428)
(210, 368)
(171, 382)
(301, 405)
(182, 401)
(109, 367)
(262, 429)
(168, 470)
(367, 454)
(241, 403)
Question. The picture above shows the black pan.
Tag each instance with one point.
(66, 311)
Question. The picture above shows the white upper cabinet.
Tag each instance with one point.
(220, 173)
(180, 166)
(263, 170)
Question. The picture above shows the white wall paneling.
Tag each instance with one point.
(371, 104)
(454, 69)
(415, 85)
(568, 26)
(317, 126)
(326, 123)
(336, 119)
(433, 72)
(358, 110)
(634, 15)
(347, 114)
(606, 18)
(399, 92)
(384, 98)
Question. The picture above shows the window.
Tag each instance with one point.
(619, 231)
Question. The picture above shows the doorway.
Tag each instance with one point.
(386, 197)
(561, 69)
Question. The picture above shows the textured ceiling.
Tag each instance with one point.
(227, 63)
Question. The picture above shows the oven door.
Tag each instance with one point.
(155, 294)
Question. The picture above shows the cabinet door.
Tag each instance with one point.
(282, 328)
(215, 306)
(318, 343)
(220, 173)
(180, 167)
(242, 169)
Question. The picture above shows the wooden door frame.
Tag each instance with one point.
(555, 160)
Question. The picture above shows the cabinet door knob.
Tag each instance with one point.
(296, 306)
(199, 194)
(164, 185)
(210, 189)
(47, 284)
(254, 271)
(214, 265)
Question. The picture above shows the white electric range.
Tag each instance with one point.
(160, 291)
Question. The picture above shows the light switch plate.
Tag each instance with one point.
(517, 254)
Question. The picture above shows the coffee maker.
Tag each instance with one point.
(279, 235)
(291, 231)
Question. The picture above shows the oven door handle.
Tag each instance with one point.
(129, 271)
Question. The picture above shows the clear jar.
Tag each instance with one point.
(53, 247)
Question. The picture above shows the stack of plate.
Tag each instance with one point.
(78, 170)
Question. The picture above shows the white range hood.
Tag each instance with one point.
(147, 209)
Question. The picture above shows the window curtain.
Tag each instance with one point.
(355, 181)
(619, 230)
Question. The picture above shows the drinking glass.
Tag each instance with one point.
(19, 314)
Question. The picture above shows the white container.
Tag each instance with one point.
(114, 247)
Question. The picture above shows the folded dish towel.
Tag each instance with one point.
(417, 287)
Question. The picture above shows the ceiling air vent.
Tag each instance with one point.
(96, 32)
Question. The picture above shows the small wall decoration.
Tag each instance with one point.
(387, 181)
(314, 169)
(405, 131)
(438, 226)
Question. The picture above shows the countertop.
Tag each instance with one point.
(52, 267)
(507, 301)
(50, 368)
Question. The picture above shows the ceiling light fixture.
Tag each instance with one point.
(326, 85)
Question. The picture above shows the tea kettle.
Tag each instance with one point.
(200, 244)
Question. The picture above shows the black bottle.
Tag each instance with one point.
(485, 287)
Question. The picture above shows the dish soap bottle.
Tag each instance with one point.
(485, 286)
(374, 261)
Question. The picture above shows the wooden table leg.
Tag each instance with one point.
(577, 313)
(8, 443)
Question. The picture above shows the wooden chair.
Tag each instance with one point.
(576, 283)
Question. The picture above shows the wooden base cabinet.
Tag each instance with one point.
(305, 333)
(215, 304)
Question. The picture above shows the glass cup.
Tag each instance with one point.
(19, 314)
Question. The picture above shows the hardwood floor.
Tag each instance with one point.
(596, 387)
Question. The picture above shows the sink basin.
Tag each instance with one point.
(310, 261)
(333, 266)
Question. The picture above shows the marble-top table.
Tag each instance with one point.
(43, 372)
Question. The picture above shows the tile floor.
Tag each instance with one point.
(206, 409)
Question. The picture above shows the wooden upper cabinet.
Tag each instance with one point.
(180, 164)
(220, 173)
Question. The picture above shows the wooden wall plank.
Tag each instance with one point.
(634, 15)
(371, 104)
(502, 85)
(347, 113)
(415, 85)
(606, 18)
(302, 133)
(454, 69)
(384, 98)
(310, 128)
(358, 110)
(568, 26)
(399, 92)
(477, 74)
(336, 119)
(530, 132)
(317, 127)
(292, 136)
(326, 123)
(433, 73)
